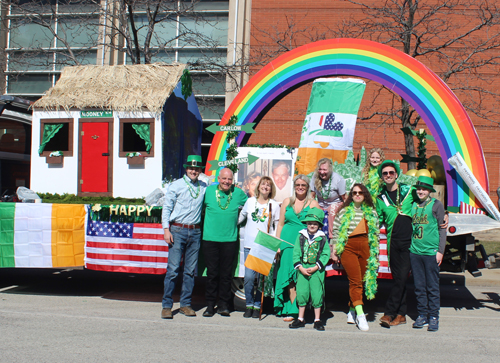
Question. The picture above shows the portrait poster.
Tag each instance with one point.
(276, 163)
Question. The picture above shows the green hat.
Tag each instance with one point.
(388, 163)
(426, 182)
(315, 215)
(193, 161)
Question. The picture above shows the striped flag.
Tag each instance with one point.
(468, 209)
(261, 256)
(384, 271)
(126, 247)
(328, 130)
(42, 235)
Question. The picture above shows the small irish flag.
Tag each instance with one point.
(42, 235)
(261, 256)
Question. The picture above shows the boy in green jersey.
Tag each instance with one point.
(426, 253)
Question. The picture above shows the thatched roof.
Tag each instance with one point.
(117, 88)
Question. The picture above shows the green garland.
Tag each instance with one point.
(371, 273)
(374, 183)
(232, 150)
(186, 84)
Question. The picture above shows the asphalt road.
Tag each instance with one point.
(85, 316)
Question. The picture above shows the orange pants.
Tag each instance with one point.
(354, 259)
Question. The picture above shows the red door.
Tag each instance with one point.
(94, 157)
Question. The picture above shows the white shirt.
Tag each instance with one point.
(260, 211)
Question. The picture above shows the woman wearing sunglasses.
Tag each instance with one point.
(292, 213)
(356, 231)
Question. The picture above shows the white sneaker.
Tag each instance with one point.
(362, 323)
(351, 317)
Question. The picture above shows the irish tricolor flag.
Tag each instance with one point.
(328, 130)
(41, 235)
(261, 256)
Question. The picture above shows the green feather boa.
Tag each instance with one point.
(374, 184)
(371, 273)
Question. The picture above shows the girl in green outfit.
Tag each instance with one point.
(293, 211)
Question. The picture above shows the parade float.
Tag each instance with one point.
(106, 227)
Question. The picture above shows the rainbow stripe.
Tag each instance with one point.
(425, 91)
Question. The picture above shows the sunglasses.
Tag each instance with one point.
(391, 173)
(356, 193)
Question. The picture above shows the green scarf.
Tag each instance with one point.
(371, 273)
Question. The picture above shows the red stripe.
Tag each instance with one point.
(127, 269)
(321, 120)
(148, 225)
(385, 275)
(147, 236)
(106, 256)
(127, 246)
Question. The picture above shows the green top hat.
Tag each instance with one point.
(315, 215)
(193, 161)
(388, 163)
(426, 182)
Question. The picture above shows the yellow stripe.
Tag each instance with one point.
(68, 235)
(258, 265)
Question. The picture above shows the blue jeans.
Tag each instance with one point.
(425, 272)
(187, 243)
(251, 300)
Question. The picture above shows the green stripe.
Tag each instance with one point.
(7, 213)
(267, 241)
(337, 97)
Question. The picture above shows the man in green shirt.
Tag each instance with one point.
(220, 240)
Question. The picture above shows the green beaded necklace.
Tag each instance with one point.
(194, 193)
(229, 197)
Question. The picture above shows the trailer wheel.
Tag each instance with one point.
(238, 289)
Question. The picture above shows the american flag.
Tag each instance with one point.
(468, 209)
(126, 247)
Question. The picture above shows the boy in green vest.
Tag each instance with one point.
(426, 253)
(310, 256)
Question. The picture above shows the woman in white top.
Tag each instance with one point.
(261, 212)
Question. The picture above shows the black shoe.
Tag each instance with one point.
(256, 313)
(209, 312)
(297, 323)
(248, 313)
(318, 325)
(223, 311)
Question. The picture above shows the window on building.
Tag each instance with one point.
(137, 135)
(56, 135)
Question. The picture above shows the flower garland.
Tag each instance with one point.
(370, 277)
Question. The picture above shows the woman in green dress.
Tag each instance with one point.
(293, 211)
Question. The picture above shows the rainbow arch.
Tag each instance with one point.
(441, 110)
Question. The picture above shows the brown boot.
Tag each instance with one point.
(187, 310)
(385, 321)
(166, 313)
(398, 320)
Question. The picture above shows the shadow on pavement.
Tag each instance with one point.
(149, 288)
